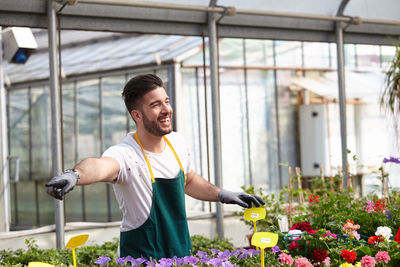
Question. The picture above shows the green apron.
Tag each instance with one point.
(165, 233)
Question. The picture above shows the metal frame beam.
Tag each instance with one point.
(245, 24)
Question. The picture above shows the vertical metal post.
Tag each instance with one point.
(212, 31)
(55, 118)
(342, 98)
(4, 144)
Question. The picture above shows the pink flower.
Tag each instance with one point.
(370, 206)
(367, 261)
(350, 226)
(382, 256)
(329, 234)
(285, 259)
(353, 235)
(302, 262)
(327, 261)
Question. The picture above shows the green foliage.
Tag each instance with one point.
(273, 205)
(390, 98)
(205, 244)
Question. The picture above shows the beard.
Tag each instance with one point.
(154, 128)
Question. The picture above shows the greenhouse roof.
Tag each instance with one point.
(368, 21)
(103, 53)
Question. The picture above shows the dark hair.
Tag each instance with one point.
(137, 87)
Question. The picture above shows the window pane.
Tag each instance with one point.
(74, 205)
(262, 127)
(88, 119)
(234, 130)
(368, 56)
(349, 56)
(287, 123)
(19, 132)
(288, 54)
(114, 111)
(46, 205)
(259, 52)
(231, 52)
(96, 202)
(41, 133)
(26, 203)
(69, 125)
(316, 55)
(387, 54)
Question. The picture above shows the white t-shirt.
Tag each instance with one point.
(133, 188)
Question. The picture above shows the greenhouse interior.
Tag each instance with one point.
(284, 100)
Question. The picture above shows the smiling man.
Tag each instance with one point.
(150, 171)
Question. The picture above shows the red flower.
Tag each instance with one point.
(375, 240)
(349, 256)
(313, 198)
(380, 205)
(303, 226)
(397, 236)
(313, 231)
(295, 245)
(319, 255)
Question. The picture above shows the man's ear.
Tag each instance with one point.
(136, 114)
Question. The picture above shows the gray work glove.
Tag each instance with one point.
(239, 198)
(60, 185)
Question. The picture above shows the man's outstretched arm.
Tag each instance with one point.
(88, 171)
(197, 187)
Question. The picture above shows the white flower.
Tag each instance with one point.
(384, 231)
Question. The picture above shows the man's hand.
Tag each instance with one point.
(239, 198)
(60, 185)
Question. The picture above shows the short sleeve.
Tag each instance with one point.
(116, 152)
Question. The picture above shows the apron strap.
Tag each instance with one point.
(147, 159)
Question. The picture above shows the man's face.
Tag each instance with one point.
(156, 112)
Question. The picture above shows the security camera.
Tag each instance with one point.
(18, 44)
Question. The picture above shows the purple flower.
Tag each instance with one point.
(201, 254)
(228, 264)
(102, 260)
(388, 215)
(165, 262)
(214, 251)
(275, 249)
(190, 260)
(391, 159)
(215, 262)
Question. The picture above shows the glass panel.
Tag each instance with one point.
(96, 202)
(194, 128)
(26, 203)
(262, 127)
(69, 125)
(19, 131)
(349, 56)
(316, 55)
(46, 205)
(288, 123)
(41, 133)
(231, 52)
(368, 56)
(74, 205)
(387, 54)
(88, 119)
(333, 63)
(259, 52)
(114, 111)
(234, 130)
(288, 54)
